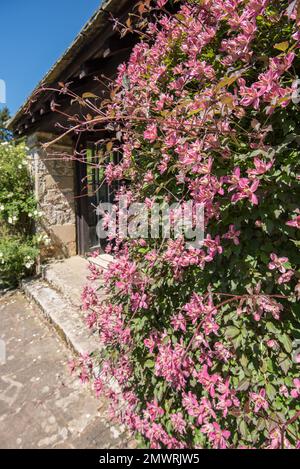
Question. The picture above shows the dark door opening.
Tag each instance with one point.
(92, 189)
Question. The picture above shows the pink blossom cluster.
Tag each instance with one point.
(183, 113)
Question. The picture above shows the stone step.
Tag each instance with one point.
(69, 276)
(67, 318)
(103, 260)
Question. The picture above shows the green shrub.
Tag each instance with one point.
(17, 258)
(18, 210)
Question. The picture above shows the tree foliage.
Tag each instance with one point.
(4, 117)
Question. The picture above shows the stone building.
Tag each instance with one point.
(65, 189)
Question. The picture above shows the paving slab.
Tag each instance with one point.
(41, 404)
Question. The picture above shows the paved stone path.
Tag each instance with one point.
(41, 404)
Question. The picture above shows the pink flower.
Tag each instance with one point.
(151, 256)
(72, 365)
(173, 364)
(139, 301)
(94, 254)
(284, 390)
(260, 167)
(276, 440)
(151, 133)
(282, 63)
(210, 326)
(155, 433)
(149, 177)
(242, 186)
(259, 400)
(296, 36)
(178, 423)
(267, 305)
(149, 203)
(250, 96)
(233, 234)
(246, 191)
(273, 344)
(295, 393)
(98, 386)
(151, 342)
(295, 223)
(201, 411)
(91, 319)
(95, 272)
(208, 381)
(213, 245)
(216, 435)
(222, 352)
(161, 3)
(234, 179)
(179, 322)
(153, 411)
(89, 298)
(84, 377)
(277, 263)
(196, 309)
(286, 277)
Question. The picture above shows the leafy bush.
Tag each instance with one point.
(17, 259)
(200, 341)
(18, 210)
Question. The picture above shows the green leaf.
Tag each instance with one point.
(226, 81)
(89, 96)
(149, 363)
(284, 362)
(272, 328)
(271, 391)
(244, 361)
(261, 424)
(243, 429)
(232, 331)
(243, 385)
(237, 341)
(286, 342)
(283, 46)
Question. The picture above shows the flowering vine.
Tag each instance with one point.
(200, 341)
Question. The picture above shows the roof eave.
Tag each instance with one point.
(108, 6)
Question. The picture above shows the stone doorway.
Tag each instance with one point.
(92, 190)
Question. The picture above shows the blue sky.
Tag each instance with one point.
(33, 35)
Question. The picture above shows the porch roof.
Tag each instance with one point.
(96, 24)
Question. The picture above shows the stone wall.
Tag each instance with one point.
(54, 179)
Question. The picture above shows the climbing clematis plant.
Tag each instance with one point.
(201, 342)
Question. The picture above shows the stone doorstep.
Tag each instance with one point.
(103, 260)
(66, 318)
(70, 275)
(58, 295)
